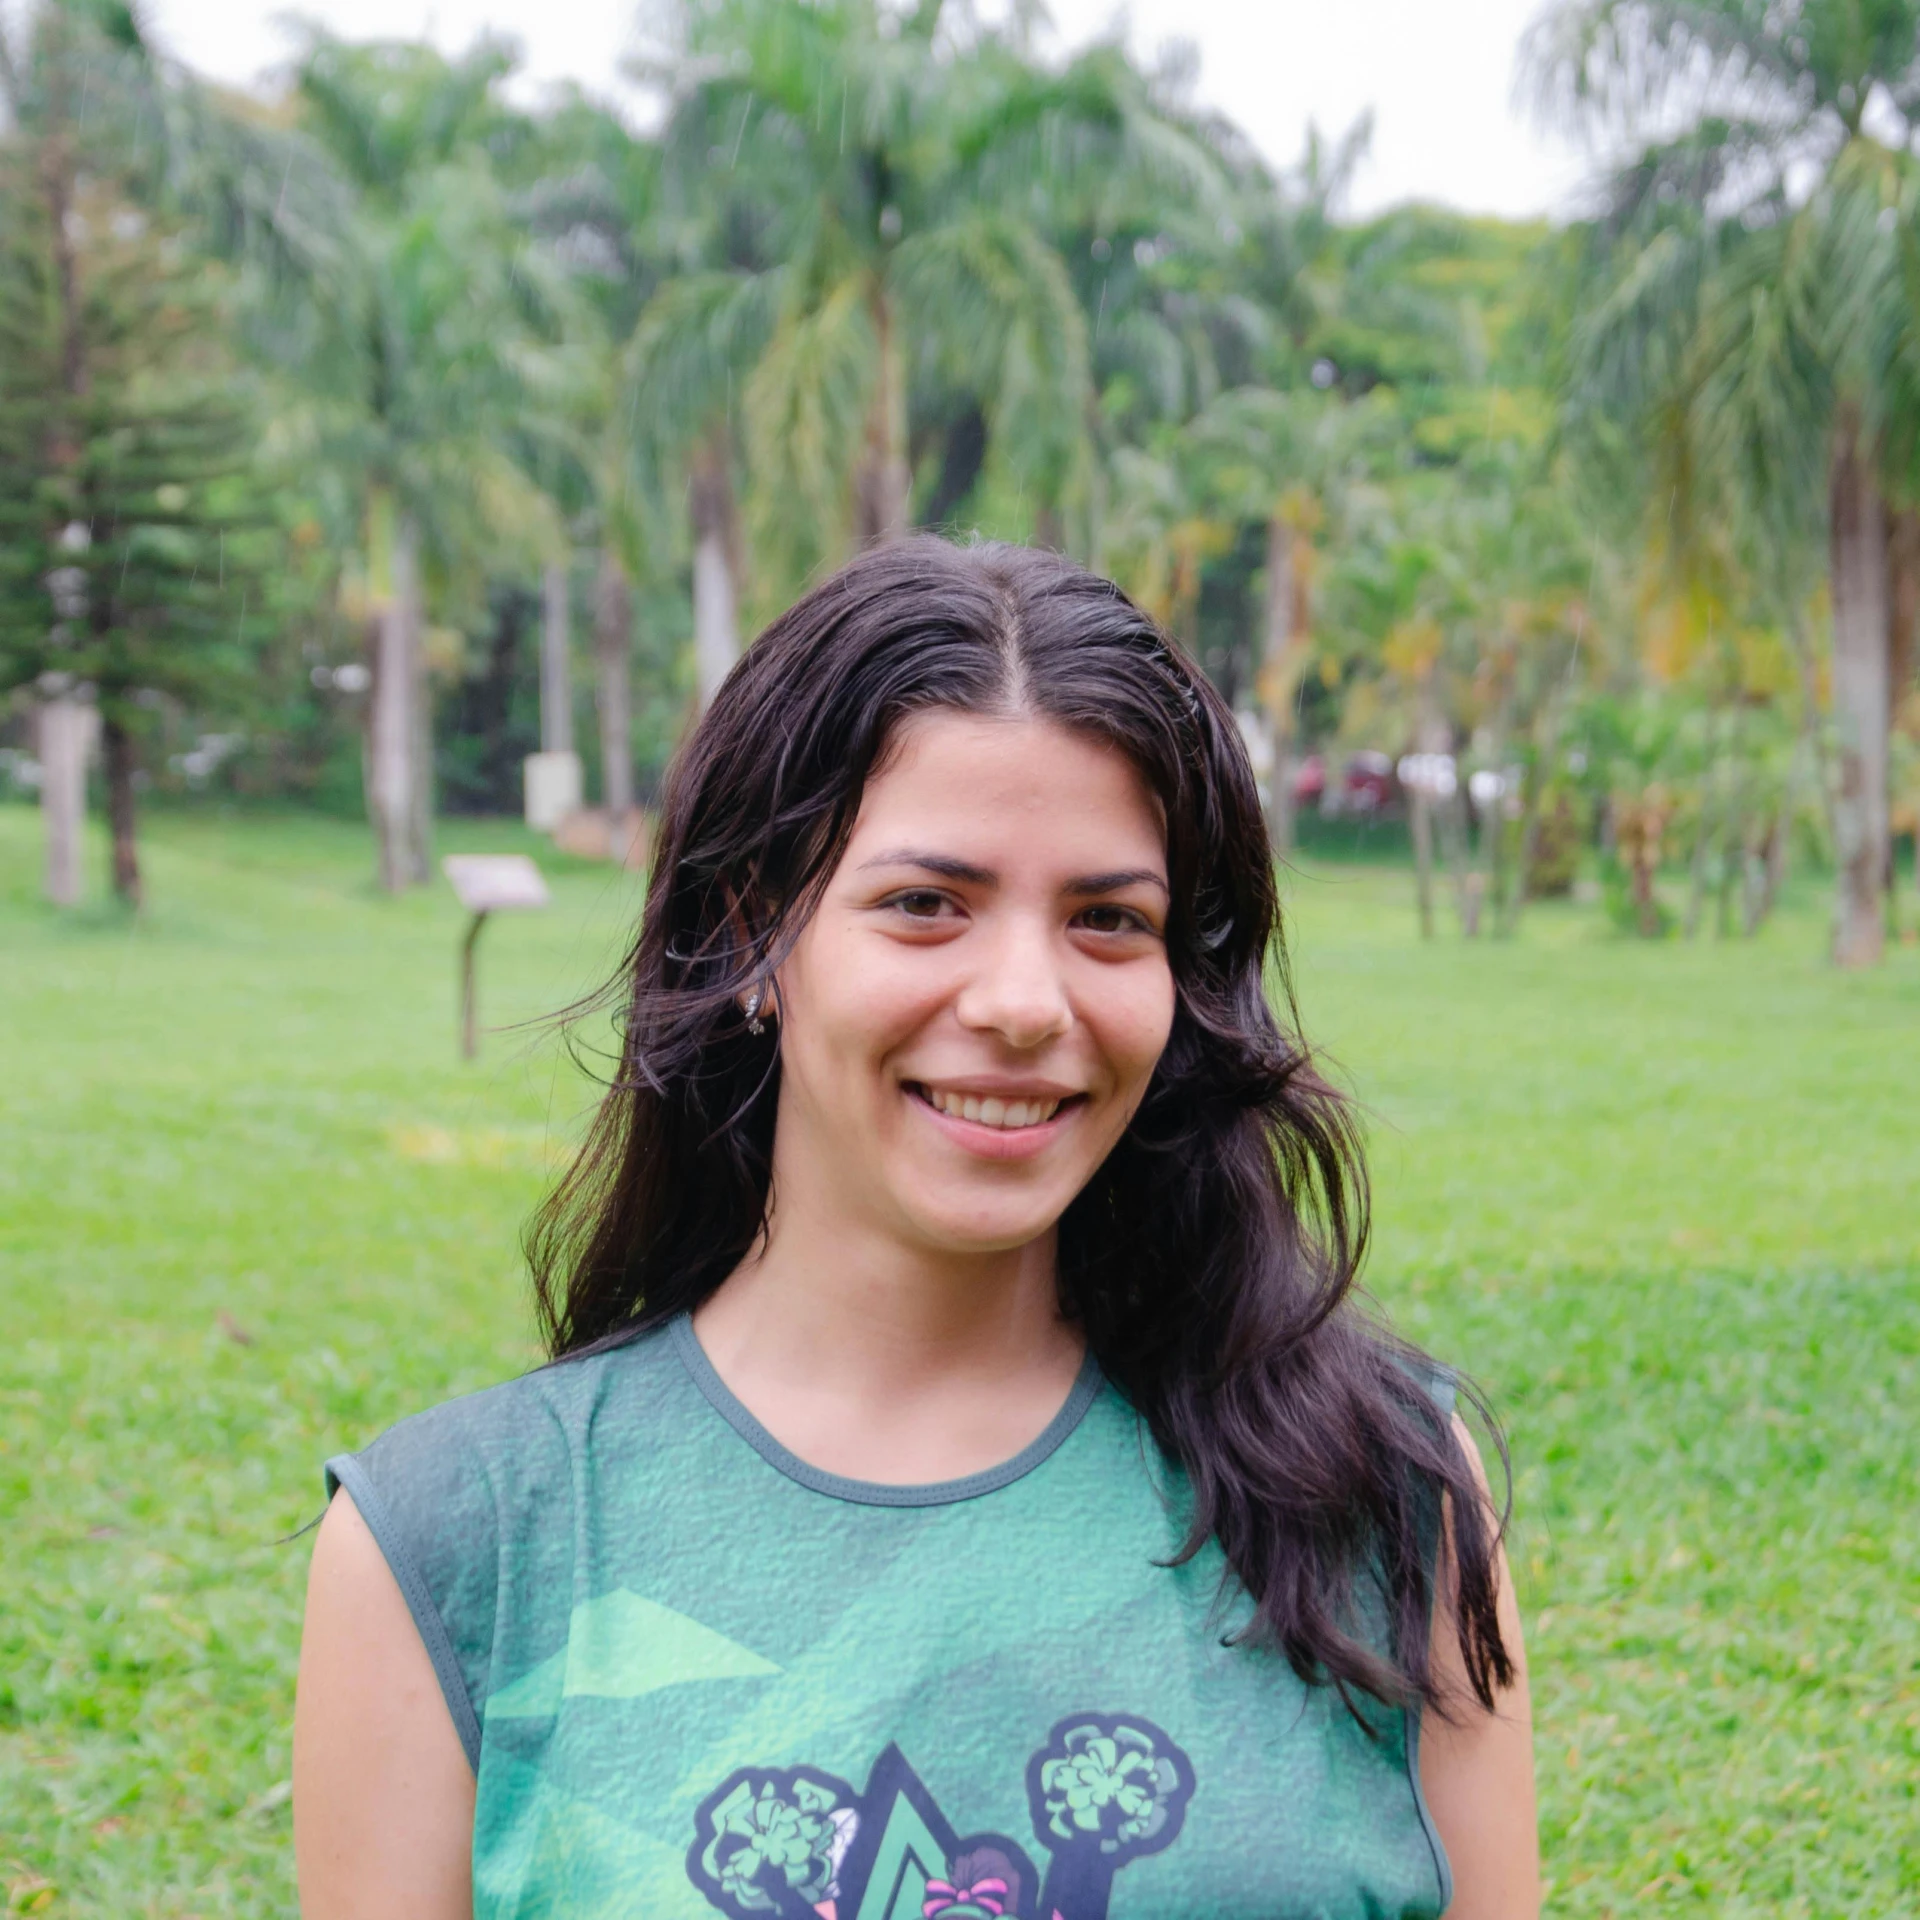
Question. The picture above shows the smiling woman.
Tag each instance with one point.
(952, 1346)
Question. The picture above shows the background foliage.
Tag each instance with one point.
(1555, 503)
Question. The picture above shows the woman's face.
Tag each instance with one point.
(972, 1015)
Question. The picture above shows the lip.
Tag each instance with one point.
(998, 1143)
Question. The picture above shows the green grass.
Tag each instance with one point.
(1660, 1200)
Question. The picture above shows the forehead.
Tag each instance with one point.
(1025, 786)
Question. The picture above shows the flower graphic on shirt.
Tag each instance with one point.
(794, 1843)
(778, 1835)
(1111, 1785)
(1106, 1790)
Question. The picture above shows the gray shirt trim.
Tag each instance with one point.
(343, 1470)
(875, 1493)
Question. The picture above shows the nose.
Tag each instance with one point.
(1016, 989)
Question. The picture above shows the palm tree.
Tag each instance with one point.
(696, 343)
(1766, 240)
(909, 184)
(588, 188)
(1285, 462)
(414, 359)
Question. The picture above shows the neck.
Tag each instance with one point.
(871, 1353)
(824, 1300)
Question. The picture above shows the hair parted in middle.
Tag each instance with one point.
(1211, 1259)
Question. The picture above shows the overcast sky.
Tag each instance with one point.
(1437, 74)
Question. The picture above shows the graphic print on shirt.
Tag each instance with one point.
(799, 1844)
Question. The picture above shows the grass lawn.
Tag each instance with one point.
(1660, 1200)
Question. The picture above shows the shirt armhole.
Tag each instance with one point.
(1441, 1388)
(1442, 1867)
(345, 1471)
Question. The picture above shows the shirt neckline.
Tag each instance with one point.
(879, 1493)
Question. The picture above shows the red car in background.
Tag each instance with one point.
(1364, 785)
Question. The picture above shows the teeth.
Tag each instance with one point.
(991, 1110)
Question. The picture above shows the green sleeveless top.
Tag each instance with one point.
(694, 1674)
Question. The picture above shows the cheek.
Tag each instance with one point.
(1134, 1025)
(851, 1000)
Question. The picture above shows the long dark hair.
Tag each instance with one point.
(1211, 1259)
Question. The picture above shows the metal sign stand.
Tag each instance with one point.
(469, 1045)
(486, 883)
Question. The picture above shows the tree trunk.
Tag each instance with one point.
(117, 752)
(1903, 600)
(1704, 830)
(884, 480)
(1810, 763)
(1423, 859)
(1861, 621)
(1903, 606)
(1778, 847)
(1639, 830)
(392, 734)
(1733, 828)
(1456, 849)
(716, 619)
(613, 649)
(419, 712)
(556, 677)
(1437, 815)
(67, 728)
(1546, 762)
(1281, 630)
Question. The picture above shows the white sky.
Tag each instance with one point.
(1438, 74)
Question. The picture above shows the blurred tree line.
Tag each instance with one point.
(327, 416)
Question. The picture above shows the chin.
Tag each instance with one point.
(967, 1230)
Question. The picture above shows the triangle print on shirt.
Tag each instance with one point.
(798, 1844)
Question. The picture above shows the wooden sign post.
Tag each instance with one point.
(487, 883)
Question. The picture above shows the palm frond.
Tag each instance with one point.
(805, 405)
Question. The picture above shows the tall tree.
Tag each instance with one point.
(587, 186)
(413, 361)
(912, 168)
(121, 439)
(1283, 461)
(1767, 212)
(129, 552)
(694, 348)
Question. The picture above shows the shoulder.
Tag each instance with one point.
(503, 1440)
(475, 1498)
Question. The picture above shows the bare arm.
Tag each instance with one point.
(1476, 1769)
(382, 1793)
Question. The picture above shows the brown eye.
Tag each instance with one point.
(919, 906)
(1111, 920)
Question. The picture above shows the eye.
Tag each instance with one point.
(921, 903)
(1109, 918)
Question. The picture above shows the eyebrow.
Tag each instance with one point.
(1116, 881)
(947, 867)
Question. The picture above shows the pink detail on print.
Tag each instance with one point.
(989, 1895)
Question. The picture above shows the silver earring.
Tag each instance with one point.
(755, 1024)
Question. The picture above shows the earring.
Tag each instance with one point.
(755, 1024)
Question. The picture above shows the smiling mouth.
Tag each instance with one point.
(993, 1110)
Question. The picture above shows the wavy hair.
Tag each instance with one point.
(1211, 1260)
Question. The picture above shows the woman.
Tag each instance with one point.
(962, 1486)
